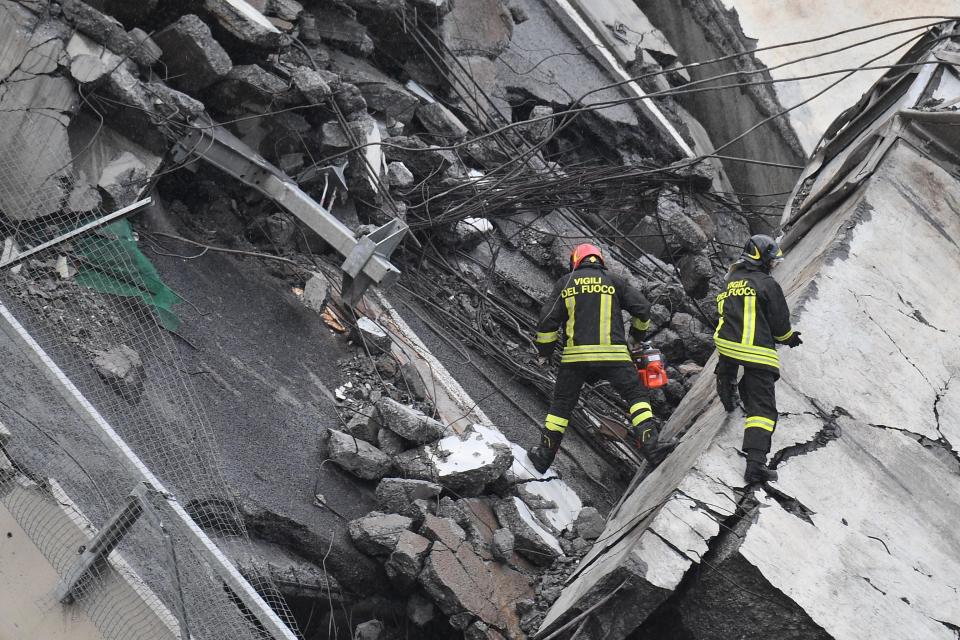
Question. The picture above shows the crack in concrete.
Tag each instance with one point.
(917, 315)
(875, 587)
(790, 504)
(890, 337)
(936, 414)
(881, 542)
(677, 549)
(830, 431)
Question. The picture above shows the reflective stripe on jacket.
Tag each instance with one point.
(587, 307)
(754, 318)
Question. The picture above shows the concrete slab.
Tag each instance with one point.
(857, 531)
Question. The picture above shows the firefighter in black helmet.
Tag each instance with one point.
(586, 305)
(754, 318)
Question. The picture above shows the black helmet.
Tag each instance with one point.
(761, 251)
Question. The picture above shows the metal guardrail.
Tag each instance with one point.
(366, 260)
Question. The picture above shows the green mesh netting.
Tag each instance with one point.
(112, 263)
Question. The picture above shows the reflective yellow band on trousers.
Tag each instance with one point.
(641, 417)
(639, 406)
(556, 423)
(759, 422)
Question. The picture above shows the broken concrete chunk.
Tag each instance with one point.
(413, 381)
(360, 458)
(247, 88)
(106, 31)
(481, 631)
(315, 292)
(517, 12)
(398, 175)
(285, 9)
(539, 130)
(670, 344)
(150, 48)
(417, 156)
(384, 96)
(406, 561)
(244, 23)
(333, 27)
(467, 588)
(469, 231)
(377, 534)
(439, 121)
(335, 136)
(88, 70)
(695, 273)
(84, 197)
(420, 610)
(689, 370)
(350, 99)
(389, 442)
(372, 336)
(193, 59)
(444, 531)
(369, 630)
(172, 103)
(395, 495)
(697, 338)
(502, 544)
(533, 540)
(122, 368)
(311, 86)
(122, 180)
(491, 28)
(361, 425)
(590, 524)
(408, 422)
(463, 463)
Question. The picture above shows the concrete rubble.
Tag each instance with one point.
(122, 368)
(360, 458)
(350, 102)
(464, 463)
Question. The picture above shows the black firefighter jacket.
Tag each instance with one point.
(754, 317)
(587, 305)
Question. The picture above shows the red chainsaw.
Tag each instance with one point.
(651, 367)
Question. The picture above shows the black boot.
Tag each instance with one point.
(543, 454)
(757, 469)
(647, 439)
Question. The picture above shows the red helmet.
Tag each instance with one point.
(583, 251)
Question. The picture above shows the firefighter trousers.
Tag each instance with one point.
(621, 375)
(758, 392)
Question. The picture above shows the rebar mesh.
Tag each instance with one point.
(91, 304)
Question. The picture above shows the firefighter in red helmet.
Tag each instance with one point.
(584, 316)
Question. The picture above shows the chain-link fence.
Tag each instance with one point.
(88, 367)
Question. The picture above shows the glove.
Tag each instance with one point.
(637, 335)
(794, 340)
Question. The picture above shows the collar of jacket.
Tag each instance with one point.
(591, 266)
